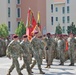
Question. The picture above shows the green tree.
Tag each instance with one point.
(4, 31)
(58, 29)
(71, 28)
(21, 30)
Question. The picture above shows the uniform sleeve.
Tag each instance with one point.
(8, 51)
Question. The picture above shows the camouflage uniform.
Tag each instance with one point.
(44, 51)
(27, 57)
(2, 47)
(50, 48)
(14, 50)
(37, 51)
(71, 50)
(61, 49)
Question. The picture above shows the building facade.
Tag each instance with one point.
(35, 5)
(14, 11)
(8, 14)
(60, 12)
(52, 13)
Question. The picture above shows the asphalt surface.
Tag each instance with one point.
(55, 69)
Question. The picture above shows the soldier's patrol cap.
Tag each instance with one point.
(15, 36)
(25, 36)
(48, 34)
(40, 37)
(60, 35)
(44, 35)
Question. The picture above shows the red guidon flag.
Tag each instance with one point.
(30, 24)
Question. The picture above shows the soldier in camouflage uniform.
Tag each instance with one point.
(44, 44)
(71, 50)
(27, 57)
(37, 51)
(14, 50)
(2, 47)
(49, 50)
(61, 49)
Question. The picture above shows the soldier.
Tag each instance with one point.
(37, 51)
(27, 57)
(44, 40)
(61, 49)
(43, 43)
(71, 49)
(49, 50)
(2, 47)
(14, 50)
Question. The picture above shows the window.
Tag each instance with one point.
(67, 9)
(63, 29)
(67, 1)
(9, 25)
(51, 20)
(8, 1)
(18, 12)
(68, 19)
(56, 18)
(51, 7)
(18, 24)
(8, 11)
(56, 9)
(63, 10)
(63, 19)
(18, 1)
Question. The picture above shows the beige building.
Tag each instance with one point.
(61, 12)
(53, 12)
(9, 14)
(13, 11)
(35, 5)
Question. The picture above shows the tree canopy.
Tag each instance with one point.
(4, 31)
(21, 30)
(58, 29)
(71, 28)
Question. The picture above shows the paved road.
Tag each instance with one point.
(54, 70)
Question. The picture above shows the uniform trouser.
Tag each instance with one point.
(61, 56)
(72, 56)
(15, 63)
(26, 62)
(29, 61)
(43, 53)
(49, 57)
(38, 63)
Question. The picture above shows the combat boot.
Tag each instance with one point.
(72, 64)
(30, 74)
(20, 74)
(61, 64)
(8, 74)
(41, 72)
(49, 66)
(46, 66)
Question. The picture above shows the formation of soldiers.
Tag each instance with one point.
(40, 47)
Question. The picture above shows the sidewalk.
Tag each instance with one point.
(55, 69)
